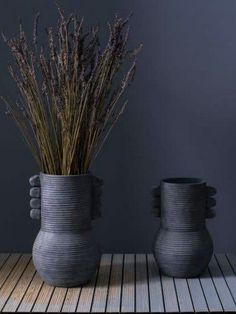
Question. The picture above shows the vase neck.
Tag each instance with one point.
(66, 203)
(183, 207)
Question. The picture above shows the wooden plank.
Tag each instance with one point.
(31, 294)
(221, 286)
(198, 299)
(170, 298)
(71, 300)
(7, 267)
(56, 302)
(141, 284)
(100, 295)
(210, 293)
(86, 296)
(232, 260)
(12, 279)
(128, 289)
(183, 295)
(228, 273)
(155, 289)
(20, 289)
(114, 293)
(43, 298)
(3, 258)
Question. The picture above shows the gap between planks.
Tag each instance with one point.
(123, 283)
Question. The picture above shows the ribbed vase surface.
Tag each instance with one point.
(183, 246)
(64, 252)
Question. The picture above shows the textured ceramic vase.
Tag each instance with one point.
(64, 252)
(183, 246)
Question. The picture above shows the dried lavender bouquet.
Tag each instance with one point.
(69, 97)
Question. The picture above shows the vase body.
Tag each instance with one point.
(183, 246)
(64, 252)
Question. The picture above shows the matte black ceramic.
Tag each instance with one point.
(64, 252)
(183, 246)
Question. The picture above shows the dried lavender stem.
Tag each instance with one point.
(69, 101)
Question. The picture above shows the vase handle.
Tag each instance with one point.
(96, 197)
(156, 201)
(35, 194)
(211, 202)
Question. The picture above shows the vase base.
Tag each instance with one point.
(75, 284)
(183, 254)
(66, 259)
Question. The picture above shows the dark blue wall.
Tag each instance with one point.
(180, 121)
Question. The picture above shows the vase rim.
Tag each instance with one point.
(66, 176)
(184, 180)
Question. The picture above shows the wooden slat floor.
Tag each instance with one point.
(123, 283)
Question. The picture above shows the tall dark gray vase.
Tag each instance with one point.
(64, 252)
(183, 246)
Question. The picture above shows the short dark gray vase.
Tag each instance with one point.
(183, 246)
(64, 252)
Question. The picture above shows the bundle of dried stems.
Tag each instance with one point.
(68, 100)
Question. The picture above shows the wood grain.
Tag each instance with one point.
(170, 297)
(228, 273)
(114, 293)
(43, 298)
(183, 295)
(20, 289)
(128, 288)
(142, 295)
(210, 292)
(71, 300)
(12, 279)
(100, 296)
(31, 294)
(155, 288)
(123, 283)
(7, 267)
(221, 286)
(3, 258)
(197, 295)
(86, 296)
(56, 302)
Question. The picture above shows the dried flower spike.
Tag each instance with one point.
(69, 101)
